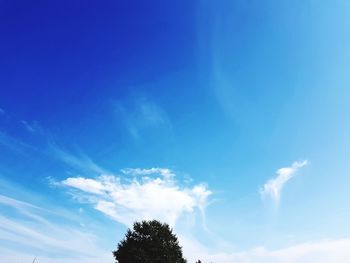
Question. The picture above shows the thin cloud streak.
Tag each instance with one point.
(79, 162)
(273, 187)
(39, 230)
(165, 172)
(32, 127)
(15, 144)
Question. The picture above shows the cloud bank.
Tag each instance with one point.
(154, 194)
(320, 251)
(273, 187)
(36, 229)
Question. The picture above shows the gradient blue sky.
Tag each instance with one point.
(227, 119)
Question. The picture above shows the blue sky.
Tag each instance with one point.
(227, 119)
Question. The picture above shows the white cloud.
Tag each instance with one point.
(273, 187)
(157, 197)
(85, 184)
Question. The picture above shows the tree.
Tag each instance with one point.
(149, 242)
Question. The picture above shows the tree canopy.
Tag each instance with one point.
(149, 242)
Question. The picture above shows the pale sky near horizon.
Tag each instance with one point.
(227, 119)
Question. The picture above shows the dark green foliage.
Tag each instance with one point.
(149, 242)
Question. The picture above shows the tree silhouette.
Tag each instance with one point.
(149, 242)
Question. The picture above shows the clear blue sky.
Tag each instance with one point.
(183, 111)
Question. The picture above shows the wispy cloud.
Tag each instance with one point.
(159, 197)
(2, 111)
(273, 187)
(32, 127)
(165, 172)
(140, 115)
(15, 144)
(26, 228)
(78, 162)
